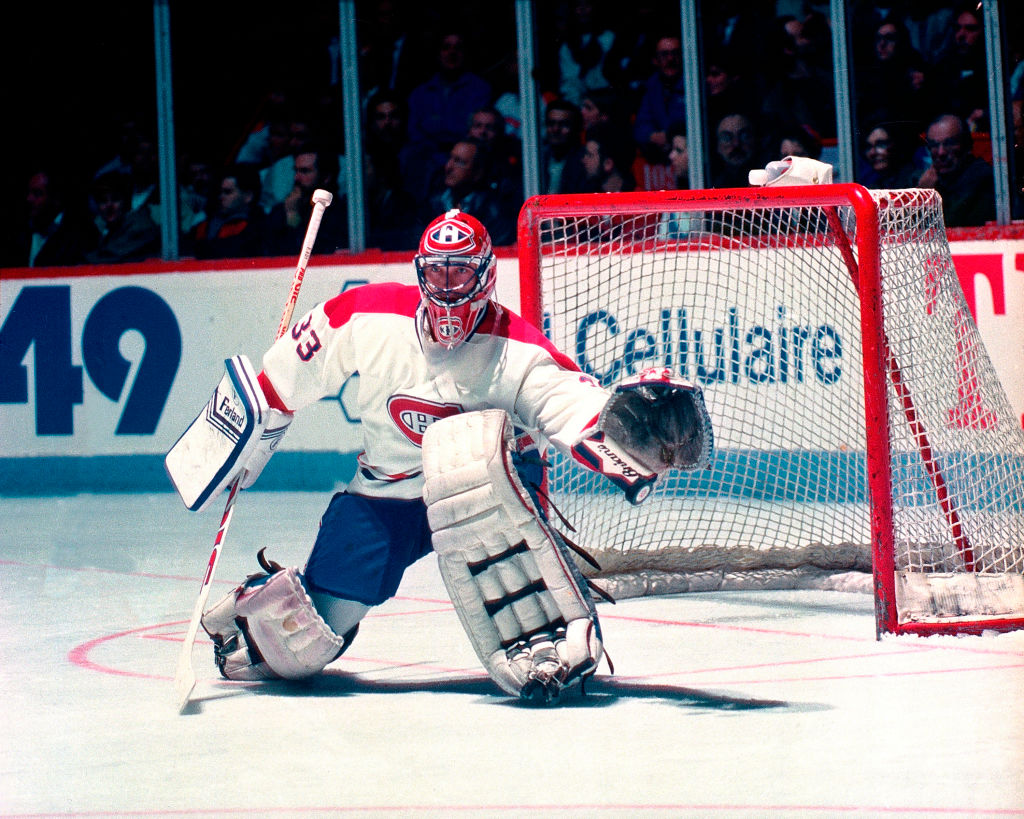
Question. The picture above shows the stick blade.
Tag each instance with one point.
(184, 679)
(183, 691)
(185, 675)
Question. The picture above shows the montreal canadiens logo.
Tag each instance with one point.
(413, 415)
(449, 236)
(448, 327)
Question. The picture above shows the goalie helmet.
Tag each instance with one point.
(455, 270)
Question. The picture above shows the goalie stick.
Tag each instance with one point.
(185, 676)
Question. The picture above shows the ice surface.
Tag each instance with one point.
(724, 704)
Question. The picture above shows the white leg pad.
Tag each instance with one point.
(519, 596)
(271, 630)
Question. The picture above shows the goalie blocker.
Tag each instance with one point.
(236, 431)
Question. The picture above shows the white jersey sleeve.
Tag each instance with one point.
(310, 361)
(561, 403)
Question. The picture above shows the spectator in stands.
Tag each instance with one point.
(278, 142)
(726, 87)
(604, 106)
(889, 152)
(44, 231)
(582, 55)
(389, 52)
(562, 140)
(144, 173)
(147, 193)
(628, 64)
(891, 81)
(679, 225)
(739, 28)
(922, 95)
(795, 140)
(506, 95)
(606, 161)
(488, 125)
(195, 190)
(390, 208)
(928, 23)
(440, 108)
(386, 124)
(964, 181)
(122, 234)
(278, 178)
(738, 150)
(960, 72)
(601, 105)
(803, 85)
(1017, 77)
(128, 129)
(314, 167)
(329, 125)
(265, 140)
(136, 158)
(929, 26)
(679, 156)
(504, 175)
(465, 188)
(235, 228)
(663, 102)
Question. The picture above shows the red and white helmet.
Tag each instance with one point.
(455, 270)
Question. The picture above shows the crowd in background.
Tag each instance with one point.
(442, 126)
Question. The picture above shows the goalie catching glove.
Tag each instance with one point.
(236, 433)
(654, 421)
(519, 596)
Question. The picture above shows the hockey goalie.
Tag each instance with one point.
(455, 394)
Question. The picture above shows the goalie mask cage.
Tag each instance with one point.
(859, 424)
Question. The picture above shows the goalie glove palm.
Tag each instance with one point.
(660, 420)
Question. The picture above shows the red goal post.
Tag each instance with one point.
(863, 439)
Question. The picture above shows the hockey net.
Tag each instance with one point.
(862, 438)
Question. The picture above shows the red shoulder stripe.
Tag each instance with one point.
(507, 324)
(399, 299)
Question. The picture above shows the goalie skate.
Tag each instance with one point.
(268, 628)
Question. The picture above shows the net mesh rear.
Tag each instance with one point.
(758, 305)
(953, 393)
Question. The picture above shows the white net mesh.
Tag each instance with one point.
(758, 305)
(965, 417)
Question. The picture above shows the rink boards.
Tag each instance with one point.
(102, 368)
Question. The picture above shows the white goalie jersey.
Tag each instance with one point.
(407, 381)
